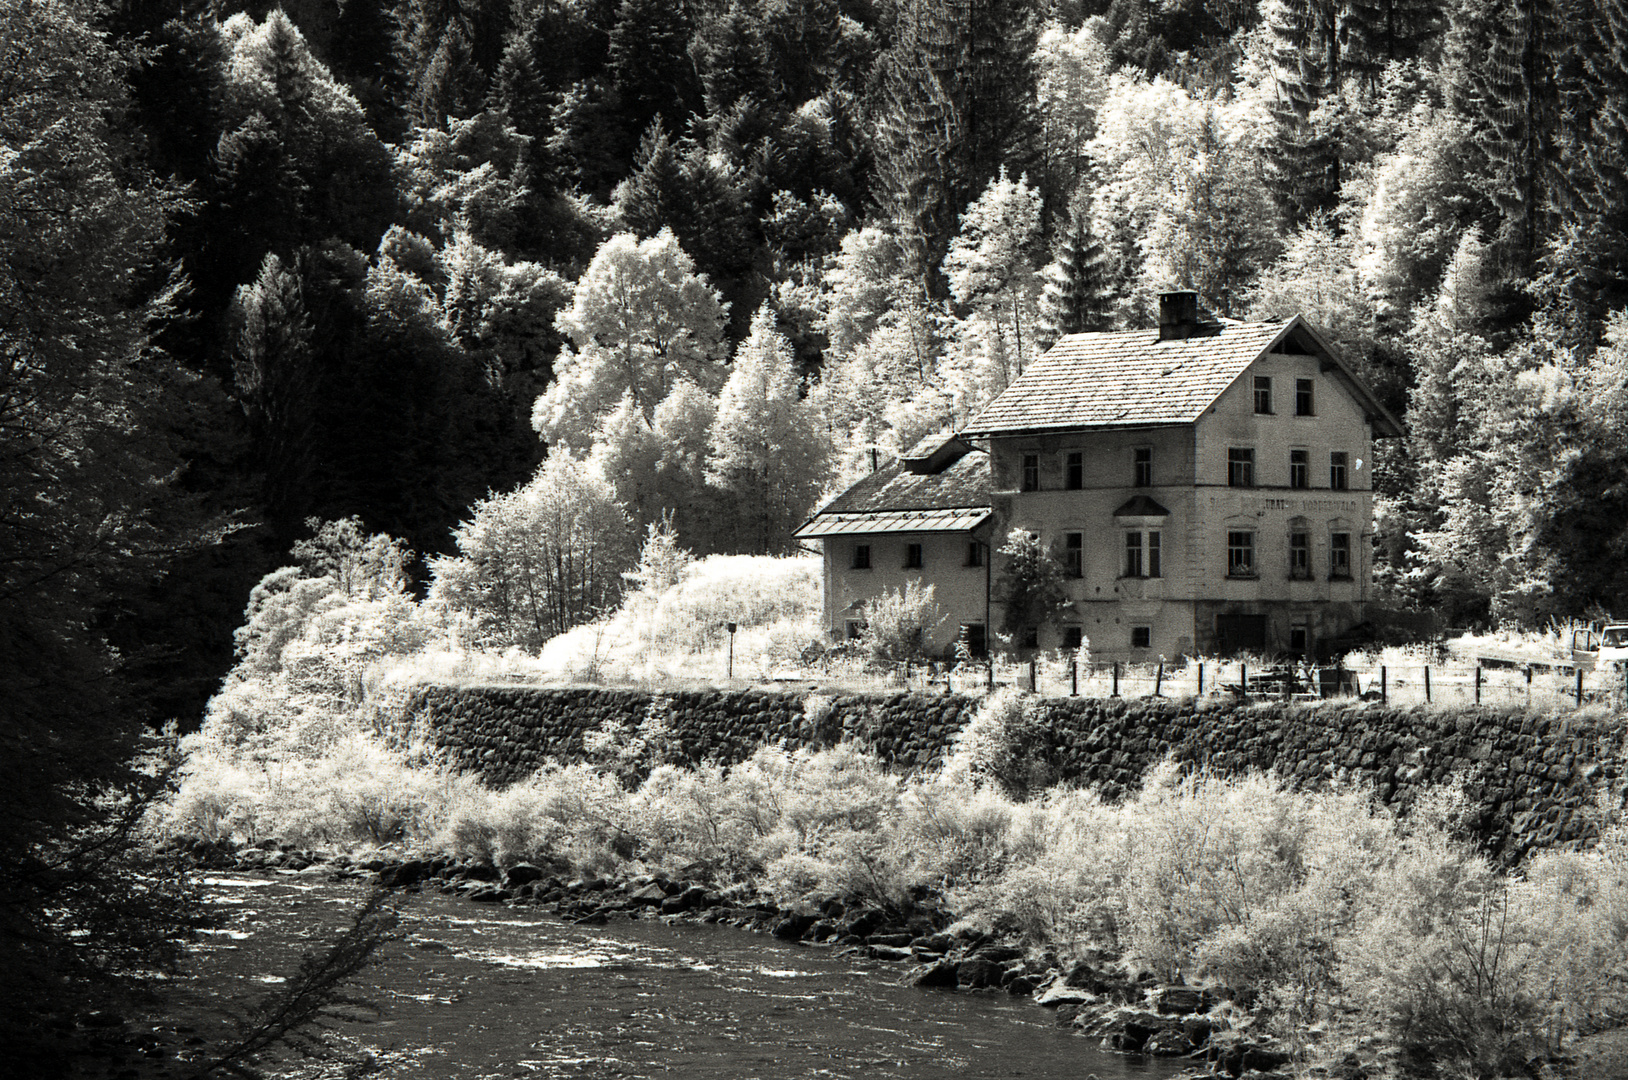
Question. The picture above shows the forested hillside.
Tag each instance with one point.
(349, 257)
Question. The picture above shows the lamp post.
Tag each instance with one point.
(731, 628)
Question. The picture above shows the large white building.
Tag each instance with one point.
(1205, 487)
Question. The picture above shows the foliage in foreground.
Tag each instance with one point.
(1321, 910)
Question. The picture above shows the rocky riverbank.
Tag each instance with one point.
(1097, 994)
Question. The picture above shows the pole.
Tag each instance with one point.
(1201, 680)
(731, 650)
(1034, 687)
(1116, 678)
(1073, 678)
(1158, 680)
(1243, 678)
(1427, 684)
(1579, 686)
(1384, 692)
(1478, 684)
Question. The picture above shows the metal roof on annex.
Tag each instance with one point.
(894, 521)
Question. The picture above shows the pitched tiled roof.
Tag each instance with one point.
(1129, 379)
(964, 483)
(895, 499)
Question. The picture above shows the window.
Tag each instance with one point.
(1336, 470)
(1263, 394)
(1240, 554)
(1240, 467)
(856, 629)
(912, 556)
(1142, 554)
(1299, 554)
(975, 553)
(1073, 637)
(862, 557)
(1031, 472)
(1302, 398)
(1074, 554)
(1339, 555)
(1030, 636)
(1141, 637)
(972, 634)
(1299, 468)
(1297, 639)
(1075, 478)
(1144, 466)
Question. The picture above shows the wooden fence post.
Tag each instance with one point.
(1201, 680)
(1073, 678)
(1478, 684)
(1116, 678)
(1427, 684)
(1034, 687)
(1158, 682)
(1384, 693)
(1243, 678)
(1579, 686)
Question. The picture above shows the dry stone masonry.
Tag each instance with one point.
(1532, 778)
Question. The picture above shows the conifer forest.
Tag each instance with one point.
(457, 268)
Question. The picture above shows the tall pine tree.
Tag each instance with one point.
(1078, 294)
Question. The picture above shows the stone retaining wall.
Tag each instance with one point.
(1532, 778)
(506, 733)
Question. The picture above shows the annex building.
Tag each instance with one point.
(1204, 488)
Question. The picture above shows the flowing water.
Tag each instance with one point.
(475, 991)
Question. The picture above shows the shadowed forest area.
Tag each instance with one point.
(487, 284)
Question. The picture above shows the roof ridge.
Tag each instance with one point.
(1125, 378)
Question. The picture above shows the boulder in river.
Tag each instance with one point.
(999, 954)
(940, 974)
(520, 874)
(793, 927)
(652, 894)
(978, 972)
(1059, 994)
(864, 922)
(890, 953)
(403, 874)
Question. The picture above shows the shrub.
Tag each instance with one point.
(1007, 742)
(899, 623)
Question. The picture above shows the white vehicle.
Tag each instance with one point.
(1613, 645)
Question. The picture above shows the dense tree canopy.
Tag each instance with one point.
(329, 260)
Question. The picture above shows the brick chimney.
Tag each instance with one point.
(1178, 315)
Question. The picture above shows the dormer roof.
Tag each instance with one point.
(1139, 378)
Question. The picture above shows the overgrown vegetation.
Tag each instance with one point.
(1325, 915)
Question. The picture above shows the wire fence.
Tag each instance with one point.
(1535, 685)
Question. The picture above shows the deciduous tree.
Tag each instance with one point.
(640, 320)
(767, 451)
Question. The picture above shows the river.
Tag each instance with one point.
(474, 991)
